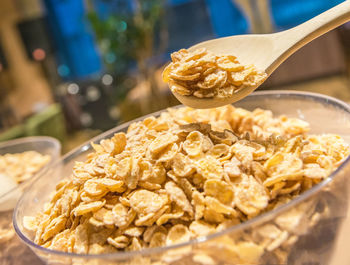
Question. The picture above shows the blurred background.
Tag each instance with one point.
(74, 68)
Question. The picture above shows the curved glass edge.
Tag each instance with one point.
(30, 139)
(254, 221)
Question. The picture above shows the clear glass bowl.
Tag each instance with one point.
(41, 144)
(311, 225)
(13, 251)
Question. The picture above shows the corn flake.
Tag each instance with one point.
(144, 201)
(203, 74)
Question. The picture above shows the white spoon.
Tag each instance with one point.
(267, 51)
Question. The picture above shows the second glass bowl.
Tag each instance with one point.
(13, 251)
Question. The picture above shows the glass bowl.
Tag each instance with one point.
(11, 247)
(311, 225)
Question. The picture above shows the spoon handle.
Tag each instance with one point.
(297, 37)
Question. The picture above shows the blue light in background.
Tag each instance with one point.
(63, 70)
(226, 18)
(106, 8)
(290, 13)
(110, 57)
(73, 39)
(122, 26)
(177, 2)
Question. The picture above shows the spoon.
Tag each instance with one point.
(266, 51)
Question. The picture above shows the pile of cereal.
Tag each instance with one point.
(22, 166)
(205, 75)
(185, 174)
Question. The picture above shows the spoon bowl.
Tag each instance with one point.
(266, 51)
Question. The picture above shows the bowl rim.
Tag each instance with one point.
(32, 139)
(254, 221)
